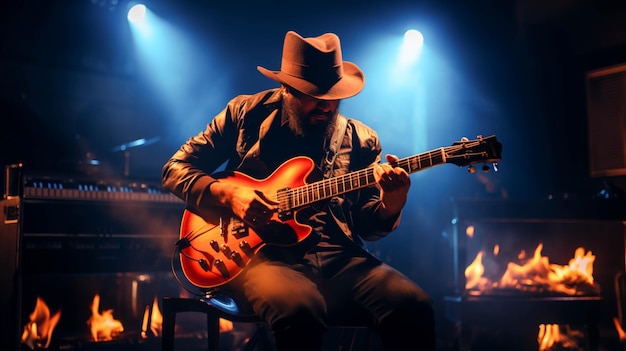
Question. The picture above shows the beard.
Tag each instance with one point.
(300, 123)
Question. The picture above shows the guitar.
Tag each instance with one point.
(216, 246)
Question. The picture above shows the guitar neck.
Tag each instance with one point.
(327, 188)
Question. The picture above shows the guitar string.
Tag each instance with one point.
(305, 193)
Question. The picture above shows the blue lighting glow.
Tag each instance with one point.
(137, 13)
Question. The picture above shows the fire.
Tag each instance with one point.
(620, 331)
(537, 274)
(103, 326)
(154, 317)
(474, 274)
(38, 331)
(551, 337)
(226, 325)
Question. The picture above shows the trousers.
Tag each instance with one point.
(299, 294)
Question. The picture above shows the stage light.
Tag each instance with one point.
(137, 13)
(411, 46)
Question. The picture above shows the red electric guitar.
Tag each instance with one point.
(215, 246)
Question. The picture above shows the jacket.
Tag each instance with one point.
(231, 141)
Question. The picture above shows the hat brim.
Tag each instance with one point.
(350, 84)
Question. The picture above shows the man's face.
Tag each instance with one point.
(308, 115)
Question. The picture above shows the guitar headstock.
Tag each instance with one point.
(466, 152)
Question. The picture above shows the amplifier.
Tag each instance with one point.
(56, 228)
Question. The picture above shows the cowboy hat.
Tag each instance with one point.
(314, 67)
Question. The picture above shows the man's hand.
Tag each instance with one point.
(249, 204)
(394, 183)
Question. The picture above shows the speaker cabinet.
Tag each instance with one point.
(606, 112)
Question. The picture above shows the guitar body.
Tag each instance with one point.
(216, 245)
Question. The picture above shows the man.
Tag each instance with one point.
(327, 277)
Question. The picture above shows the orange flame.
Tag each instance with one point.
(537, 274)
(103, 326)
(474, 279)
(38, 331)
(620, 331)
(226, 325)
(154, 317)
(550, 336)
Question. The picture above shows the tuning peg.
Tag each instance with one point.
(495, 166)
(486, 168)
(471, 169)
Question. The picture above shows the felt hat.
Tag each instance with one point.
(314, 66)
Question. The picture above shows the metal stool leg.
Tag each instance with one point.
(169, 323)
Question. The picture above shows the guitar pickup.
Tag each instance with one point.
(286, 205)
(237, 228)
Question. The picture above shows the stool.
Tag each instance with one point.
(221, 306)
(214, 307)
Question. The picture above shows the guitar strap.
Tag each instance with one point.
(333, 147)
(327, 169)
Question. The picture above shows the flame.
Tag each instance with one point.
(474, 274)
(144, 323)
(154, 317)
(38, 331)
(550, 336)
(226, 325)
(620, 331)
(537, 274)
(103, 326)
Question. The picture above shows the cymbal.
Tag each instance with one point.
(135, 143)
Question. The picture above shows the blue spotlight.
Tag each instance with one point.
(137, 13)
(411, 46)
(139, 19)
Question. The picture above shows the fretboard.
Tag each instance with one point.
(324, 189)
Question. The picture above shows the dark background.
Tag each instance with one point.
(72, 90)
(71, 79)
